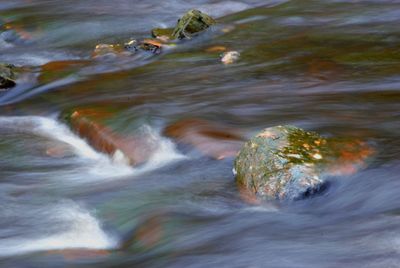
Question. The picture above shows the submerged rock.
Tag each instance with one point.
(193, 22)
(286, 162)
(211, 139)
(7, 75)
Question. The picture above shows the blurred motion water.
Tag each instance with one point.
(328, 66)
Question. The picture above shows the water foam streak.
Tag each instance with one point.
(97, 164)
(83, 231)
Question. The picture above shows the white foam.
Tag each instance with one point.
(165, 153)
(83, 231)
(97, 164)
(52, 129)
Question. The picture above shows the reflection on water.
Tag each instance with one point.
(328, 66)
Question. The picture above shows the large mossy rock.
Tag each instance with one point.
(7, 75)
(282, 162)
(194, 21)
(287, 163)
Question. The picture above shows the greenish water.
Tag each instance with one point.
(326, 66)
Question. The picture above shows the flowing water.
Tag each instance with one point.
(328, 66)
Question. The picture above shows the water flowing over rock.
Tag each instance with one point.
(133, 150)
(288, 163)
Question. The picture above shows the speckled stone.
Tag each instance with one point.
(281, 163)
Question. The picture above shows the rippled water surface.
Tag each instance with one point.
(328, 66)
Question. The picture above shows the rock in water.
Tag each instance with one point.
(281, 163)
(286, 162)
(130, 150)
(7, 75)
(194, 21)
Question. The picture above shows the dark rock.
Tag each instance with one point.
(7, 75)
(193, 22)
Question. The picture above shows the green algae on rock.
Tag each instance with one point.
(281, 163)
(286, 162)
(7, 75)
(194, 21)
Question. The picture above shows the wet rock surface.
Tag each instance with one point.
(288, 163)
(7, 75)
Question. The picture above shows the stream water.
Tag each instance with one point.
(327, 66)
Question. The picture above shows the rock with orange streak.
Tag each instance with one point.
(131, 150)
(209, 138)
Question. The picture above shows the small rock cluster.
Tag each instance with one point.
(191, 23)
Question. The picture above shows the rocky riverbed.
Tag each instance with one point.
(113, 158)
